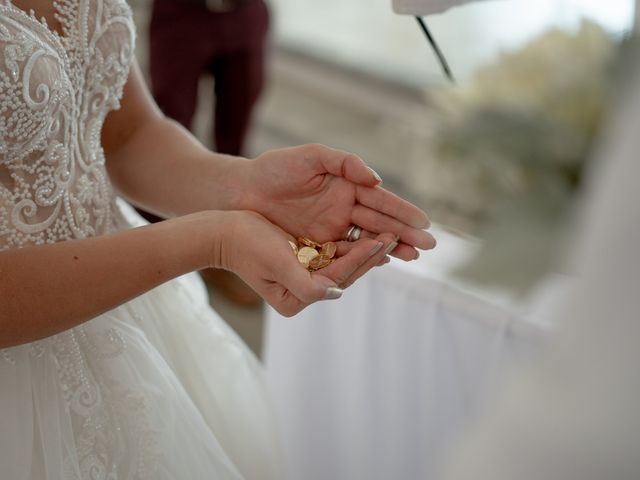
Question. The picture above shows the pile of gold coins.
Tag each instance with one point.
(312, 255)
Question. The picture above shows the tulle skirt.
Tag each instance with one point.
(158, 388)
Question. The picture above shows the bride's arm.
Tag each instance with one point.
(157, 164)
(47, 289)
(311, 190)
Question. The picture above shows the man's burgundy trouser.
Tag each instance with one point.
(187, 40)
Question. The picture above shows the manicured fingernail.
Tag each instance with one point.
(387, 259)
(391, 248)
(375, 249)
(333, 293)
(375, 174)
(417, 255)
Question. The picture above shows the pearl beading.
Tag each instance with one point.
(55, 93)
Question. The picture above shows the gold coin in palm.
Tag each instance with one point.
(308, 242)
(328, 249)
(319, 262)
(306, 254)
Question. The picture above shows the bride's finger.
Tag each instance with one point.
(405, 252)
(343, 164)
(362, 252)
(343, 247)
(383, 201)
(373, 222)
(402, 251)
(385, 260)
(389, 244)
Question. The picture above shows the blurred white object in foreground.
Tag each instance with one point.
(425, 7)
(573, 415)
(377, 385)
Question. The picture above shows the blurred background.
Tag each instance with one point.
(353, 75)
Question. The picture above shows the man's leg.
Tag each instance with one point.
(175, 63)
(177, 57)
(239, 72)
(239, 79)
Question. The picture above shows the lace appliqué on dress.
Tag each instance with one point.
(55, 93)
(114, 439)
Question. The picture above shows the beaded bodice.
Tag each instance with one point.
(55, 93)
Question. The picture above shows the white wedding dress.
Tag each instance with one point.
(158, 388)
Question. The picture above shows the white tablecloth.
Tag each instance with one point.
(376, 385)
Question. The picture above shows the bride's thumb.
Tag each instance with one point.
(312, 287)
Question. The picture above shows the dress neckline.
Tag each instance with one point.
(61, 43)
(30, 15)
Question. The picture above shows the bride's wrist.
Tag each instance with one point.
(194, 240)
(217, 230)
(219, 237)
(235, 183)
(233, 233)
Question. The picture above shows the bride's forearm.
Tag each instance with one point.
(165, 170)
(49, 288)
(157, 164)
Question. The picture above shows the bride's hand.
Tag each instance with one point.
(259, 252)
(319, 192)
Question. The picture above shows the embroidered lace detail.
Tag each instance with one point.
(55, 92)
(113, 437)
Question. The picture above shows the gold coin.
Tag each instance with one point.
(314, 264)
(306, 254)
(294, 247)
(319, 262)
(325, 260)
(329, 249)
(305, 241)
(308, 242)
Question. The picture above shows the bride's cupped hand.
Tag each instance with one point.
(319, 192)
(260, 253)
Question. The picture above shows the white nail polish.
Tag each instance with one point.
(391, 248)
(333, 293)
(375, 174)
(375, 249)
